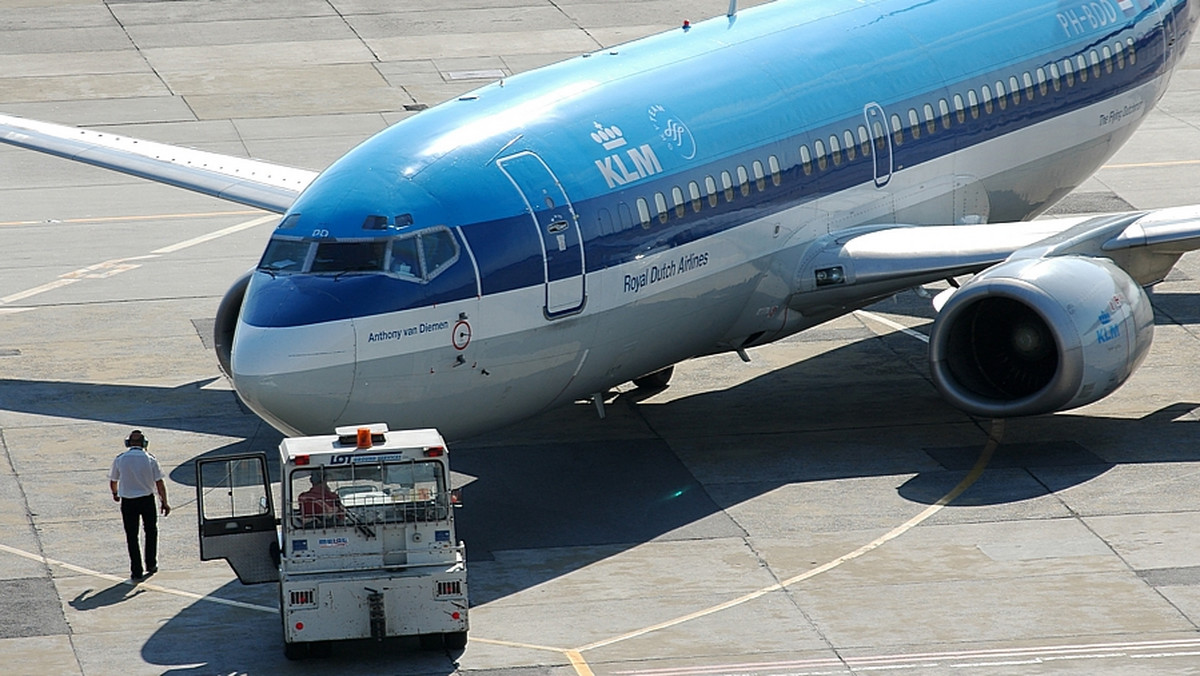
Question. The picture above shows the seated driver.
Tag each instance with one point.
(319, 505)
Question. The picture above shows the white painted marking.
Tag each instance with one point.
(141, 585)
(216, 234)
(891, 324)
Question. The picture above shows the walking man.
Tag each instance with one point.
(134, 478)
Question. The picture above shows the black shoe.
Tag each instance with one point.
(137, 577)
(150, 572)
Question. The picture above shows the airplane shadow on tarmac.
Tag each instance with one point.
(653, 471)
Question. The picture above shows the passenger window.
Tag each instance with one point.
(624, 216)
(819, 149)
(1069, 72)
(806, 160)
(1120, 56)
(760, 178)
(1014, 89)
(1081, 68)
(660, 203)
(406, 262)
(1041, 81)
(914, 123)
(604, 221)
(835, 151)
(930, 119)
(987, 99)
(1028, 86)
(1132, 51)
(897, 130)
(945, 113)
(864, 141)
(776, 173)
(851, 146)
(959, 112)
(1055, 77)
(743, 181)
(349, 256)
(1095, 59)
(727, 185)
(677, 196)
(643, 208)
(710, 187)
(1001, 99)
(880, 135)
(694, 193)
(973, 101)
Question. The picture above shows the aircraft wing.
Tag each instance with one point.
(254, 183)
(855, 267)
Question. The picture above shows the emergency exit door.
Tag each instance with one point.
(237, 516)
(550, 209)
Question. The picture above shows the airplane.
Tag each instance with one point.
(716, 187)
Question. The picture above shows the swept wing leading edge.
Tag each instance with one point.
(876, 261)
(254, 183)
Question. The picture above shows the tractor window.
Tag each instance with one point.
(368, 494)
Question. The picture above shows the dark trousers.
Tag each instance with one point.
(133, 510)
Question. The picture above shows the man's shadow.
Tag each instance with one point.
(90, 599)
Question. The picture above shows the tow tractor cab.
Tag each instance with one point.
(365, 547)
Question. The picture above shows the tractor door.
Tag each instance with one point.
(237, 516)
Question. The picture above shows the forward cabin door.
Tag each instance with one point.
(550, 209)
(237, 517)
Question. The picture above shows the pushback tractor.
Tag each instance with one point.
(364, 545)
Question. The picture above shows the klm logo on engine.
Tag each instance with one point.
(624, 168)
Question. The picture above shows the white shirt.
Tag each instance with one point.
(135, 472)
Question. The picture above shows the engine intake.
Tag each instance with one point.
(1032, 336)
(226, 322)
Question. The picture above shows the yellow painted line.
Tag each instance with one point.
(977, 471)
(578, 663)
(141, 585)
(124, 219)
(1151, 165)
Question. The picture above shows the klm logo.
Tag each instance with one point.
(624, 168)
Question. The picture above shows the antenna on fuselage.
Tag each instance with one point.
(732, 8)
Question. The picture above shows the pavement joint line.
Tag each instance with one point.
(985, 456)
(143, 585)
(125, 219)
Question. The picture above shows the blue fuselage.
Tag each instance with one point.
(567, 229)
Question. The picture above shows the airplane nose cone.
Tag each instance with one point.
(297, 378)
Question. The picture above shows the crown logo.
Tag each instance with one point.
(609, 137)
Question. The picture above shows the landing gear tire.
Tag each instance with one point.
(656, 380)
(455, 640)
(295, 651)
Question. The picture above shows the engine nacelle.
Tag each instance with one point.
(226, 322)
(1038, 335)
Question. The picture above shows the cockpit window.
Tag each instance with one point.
(416, 256)
(349, 256)
(285, 255)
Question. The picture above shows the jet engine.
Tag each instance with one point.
(1037, 335)
(226, 322)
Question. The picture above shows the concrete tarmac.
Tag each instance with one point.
(819, 510)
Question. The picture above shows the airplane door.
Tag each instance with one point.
(558, 229)
(237, 518)
(881, 142)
